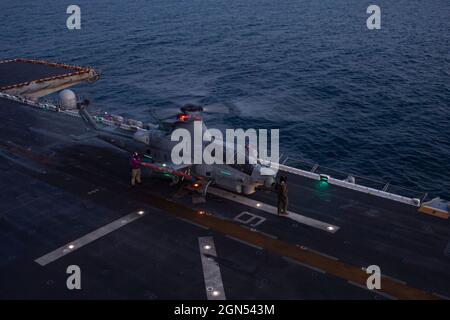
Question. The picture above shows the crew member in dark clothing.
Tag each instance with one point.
(135, 164)
(282, 190)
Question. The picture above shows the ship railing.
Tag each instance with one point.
(357, 182)
(101, 117)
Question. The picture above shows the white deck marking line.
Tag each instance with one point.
(267, 234)
(258, 231)
(388, 277)
(211, 269)
(304, 265)
(244, 242)
(88, 238)
(441, 296)
(193, 223)
(388, 296)
(273, 210)
(323, 254)
(393, 279)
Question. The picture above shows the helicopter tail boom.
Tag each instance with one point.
(87, 118)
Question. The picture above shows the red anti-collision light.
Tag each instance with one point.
(183, 117)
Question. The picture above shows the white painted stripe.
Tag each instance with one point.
(387, 277)
(393, 279)
(322, 254)
(357, 285)
(244, 242)
(266, 234)
(388, 296)
(193, 223)
(441, 296)
(258, 231)
(303, 265)
(88, 238)
(211, 269)
(273, 210)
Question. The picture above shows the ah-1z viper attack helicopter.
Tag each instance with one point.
(155, 144)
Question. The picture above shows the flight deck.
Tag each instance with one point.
(36, 78)
(66, 200)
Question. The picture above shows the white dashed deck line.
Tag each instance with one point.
(304, 265)
(244, 242)
(387, 296)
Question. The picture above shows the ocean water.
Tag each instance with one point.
(371, 102)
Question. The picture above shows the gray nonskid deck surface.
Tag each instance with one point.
(153, 256)
(148, 259)
(406, 244)
(140, 261)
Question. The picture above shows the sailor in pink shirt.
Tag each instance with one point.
(135, 163)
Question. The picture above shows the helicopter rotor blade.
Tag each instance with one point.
(217, 108)
(166, 113)
(205, 108)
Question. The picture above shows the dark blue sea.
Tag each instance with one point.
(370, 102)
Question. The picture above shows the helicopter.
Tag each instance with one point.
(154, 142)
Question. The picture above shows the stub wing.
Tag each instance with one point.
(175, 170)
